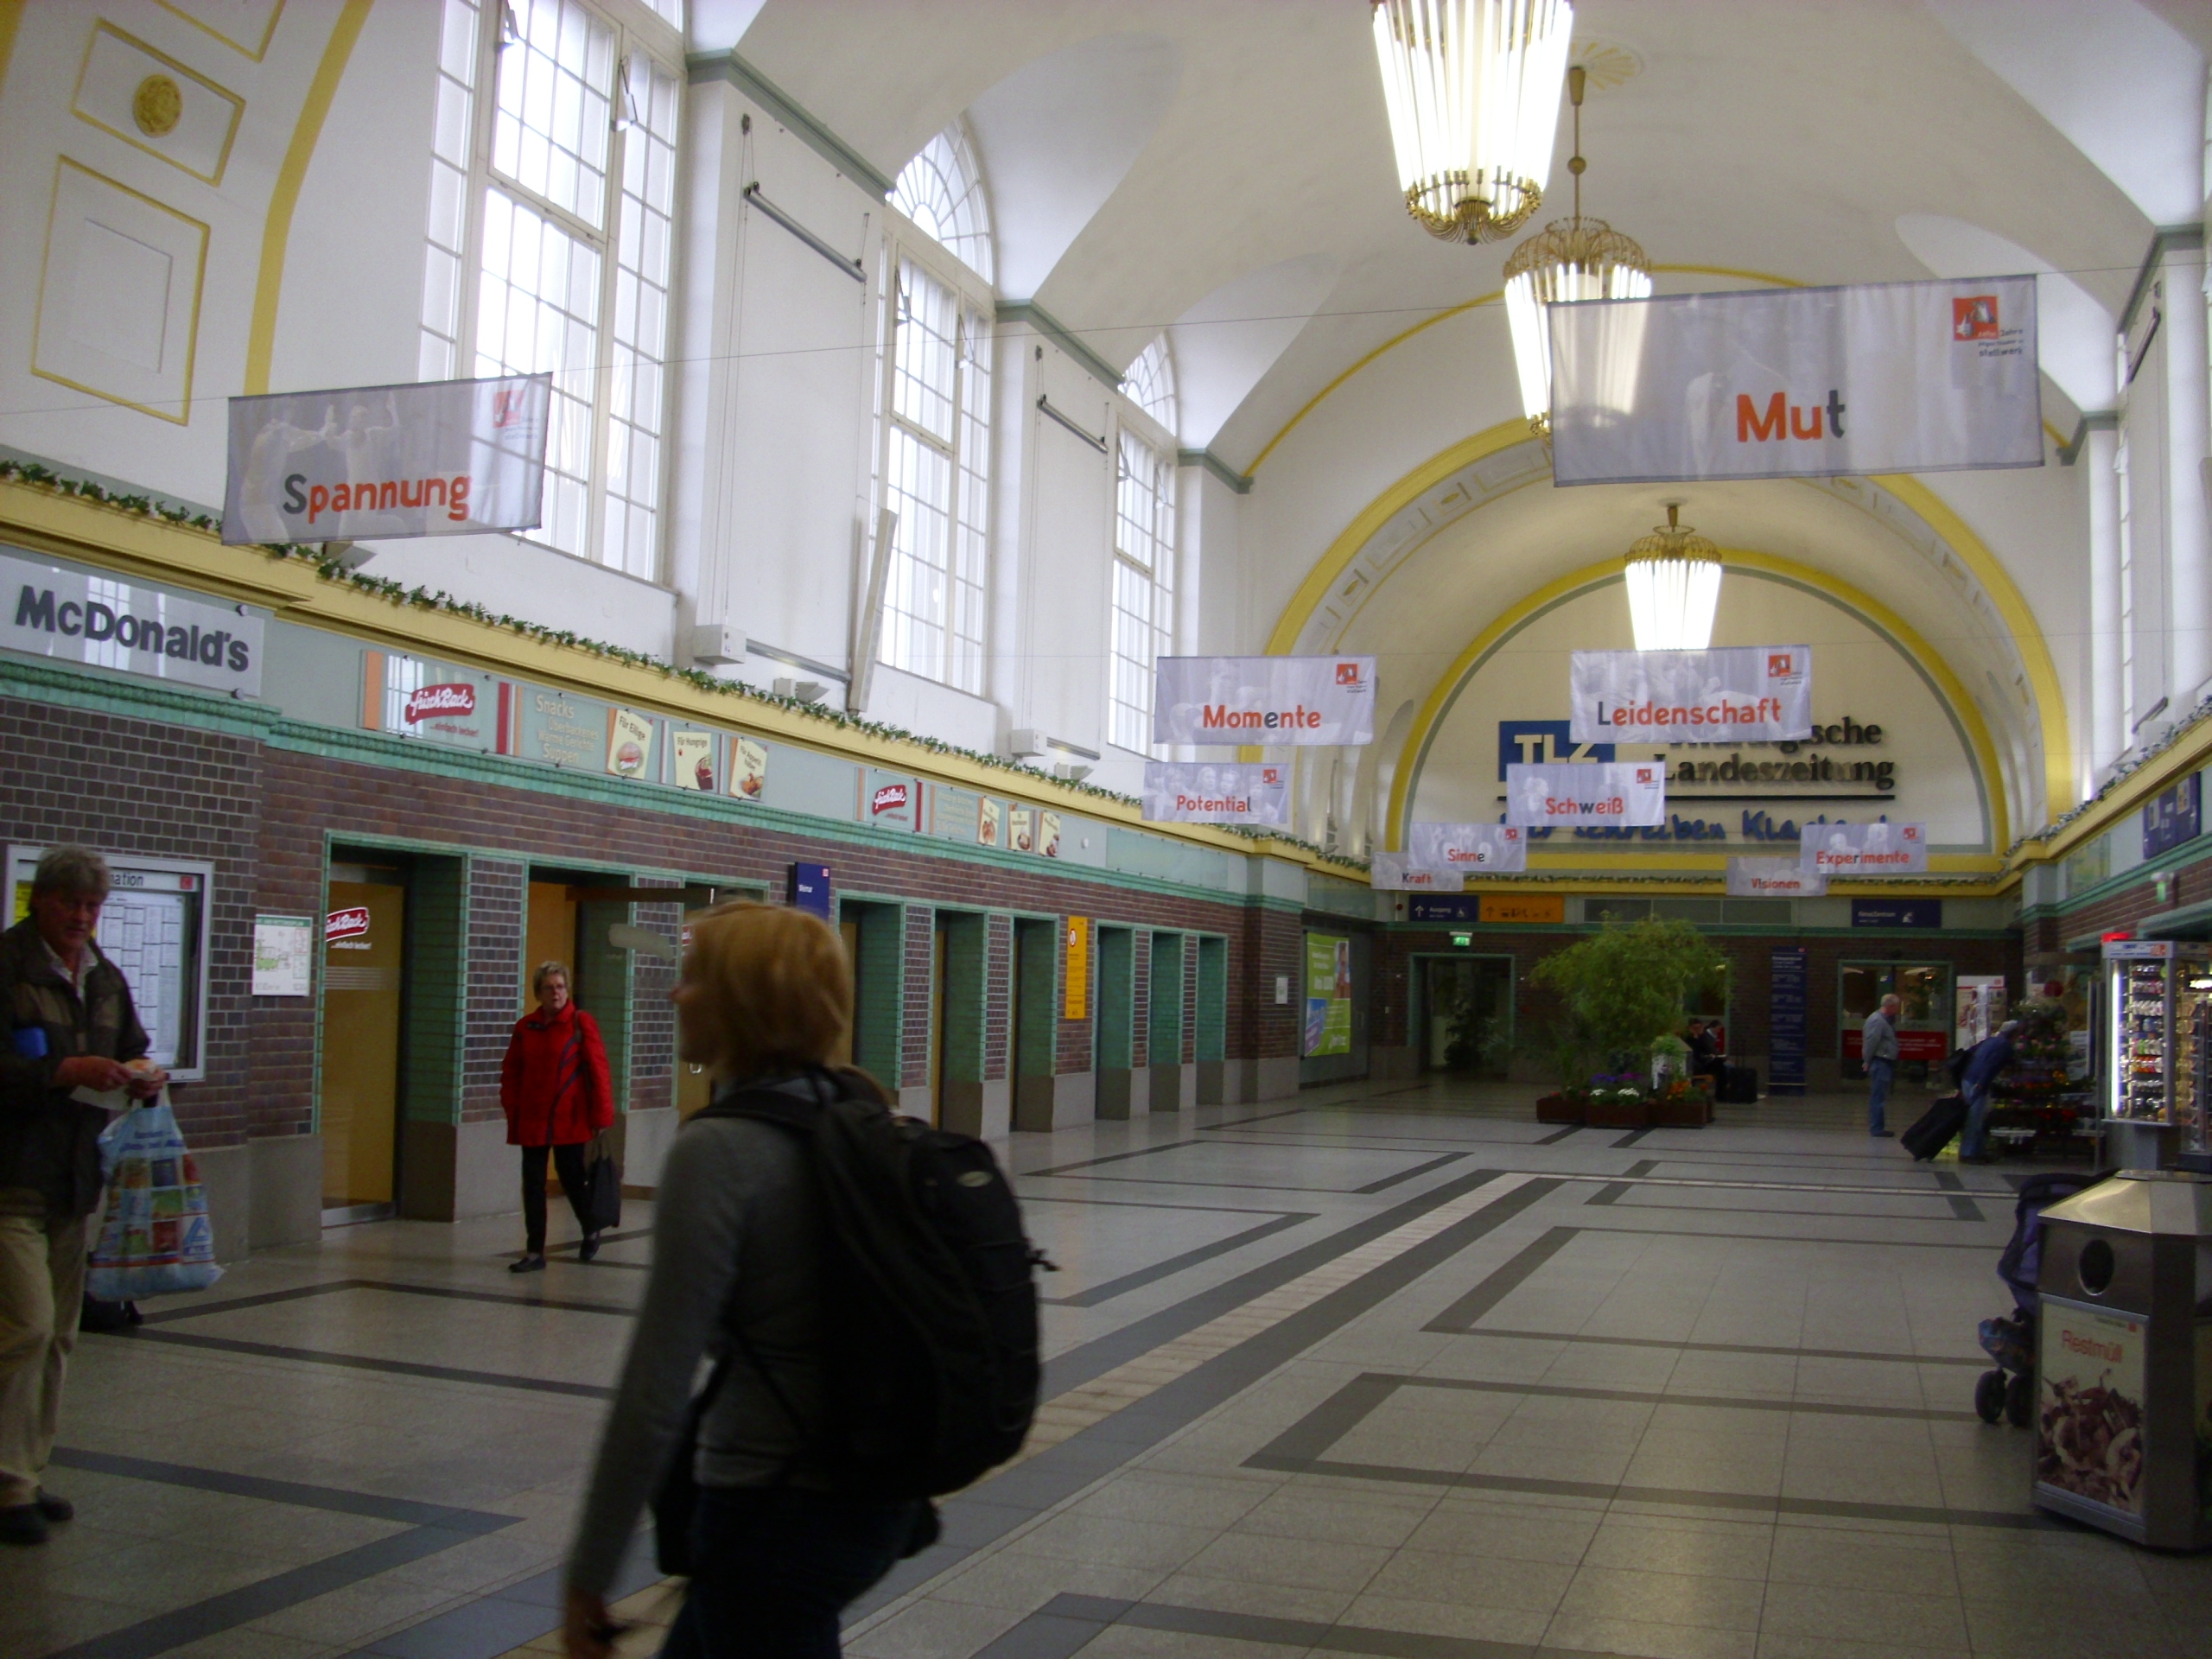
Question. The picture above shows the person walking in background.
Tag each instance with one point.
(71, 1026)
(1991, 1056)
(556, 1091)
(1878, 1048)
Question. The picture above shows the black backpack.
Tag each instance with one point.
(931, 1360)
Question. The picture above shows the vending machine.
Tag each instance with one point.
(2159, 995)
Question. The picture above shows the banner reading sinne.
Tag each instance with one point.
(1807, 382)
(1263, 700)
(448, 458)
(1739, 694)
(1215, 792)
(1631, 792)
(1486, 848)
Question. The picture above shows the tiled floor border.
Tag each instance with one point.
(1107, 1291)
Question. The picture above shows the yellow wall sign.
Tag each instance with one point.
(1535, 907)
(1076, 999)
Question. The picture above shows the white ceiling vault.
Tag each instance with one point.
(1221, 168)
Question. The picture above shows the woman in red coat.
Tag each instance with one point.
(556, 1094)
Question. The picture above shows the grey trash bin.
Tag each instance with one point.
(2124, 1360)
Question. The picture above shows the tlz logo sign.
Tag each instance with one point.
(1541, 742)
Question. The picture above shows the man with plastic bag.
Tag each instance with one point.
(72, 1031)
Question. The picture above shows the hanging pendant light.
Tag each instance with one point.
(1673, 585)
(1472, 88)
(1573, 259)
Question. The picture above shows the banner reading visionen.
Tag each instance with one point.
(1608, 792)
(1807, 382)
(1215, 792)
(1740, 694)
(1264, 700)
(1773, 878)
(1485, 849)
(449, 458)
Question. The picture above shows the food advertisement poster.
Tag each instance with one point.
(439, 702)
(1328, 995)
(990, 823)
(1075, 989)
(565, 730)
(748, 767)
(693, 754)
(1021, 828)
(2089, 1405)
(629, 743)
(890, 800)
(1048, 834)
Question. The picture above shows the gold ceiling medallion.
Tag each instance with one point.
(156, 106)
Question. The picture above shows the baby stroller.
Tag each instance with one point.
(2010, 1390)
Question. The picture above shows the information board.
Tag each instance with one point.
(1786, 1020)
(283, 955)
(2174, 815)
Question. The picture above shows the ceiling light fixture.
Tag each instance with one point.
(1573, 259)
(1472, 88)
(1674, 587)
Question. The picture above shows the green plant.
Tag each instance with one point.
(1625, 986)
(1563, 1046)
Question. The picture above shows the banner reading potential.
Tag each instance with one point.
(450, 458)
(1631, 792)
(1264, 700)
(1804, 382)
(1740, 694)
(1882, 849)
(1215, 792)
(1773, 878)
(1483, 849)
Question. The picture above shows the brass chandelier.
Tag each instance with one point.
(1569, 260)
(1673, 585)
(1472, 88)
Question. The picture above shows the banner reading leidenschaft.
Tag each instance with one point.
(448, 458)
(1739, 694)
(1264, 700)
(1215, 792)
(1882, 849)
(1631, 792)
(1396, 872)
(1773, 878)
(1801, 382)
(1483, 849)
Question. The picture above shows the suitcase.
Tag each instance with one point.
(1937, 1127)
(1739, 1085)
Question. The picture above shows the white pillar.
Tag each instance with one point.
(2105, 736)
(2188, 543)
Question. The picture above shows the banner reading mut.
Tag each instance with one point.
(448, 458)
(1632, 792)
(1739, 694)
(1264, 700)
(1805, 382)
(1211, 791)
(1773, 878)
(1485, 849)
(1880, 848)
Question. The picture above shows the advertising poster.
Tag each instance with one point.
(1263, 700)
(1074, 991)
(564, 730)
(1603, 792)
(1479, 848)
(75, 617)
(692, 755)
(1048, 834)
(283, 955)
(1396, 872)
(629, 744)
(1021, 828)
(1797, 383)
(439, 702)
(1880, 848)
(1741, 694)
(990, 823)
(2089, 1405)
(1215, 792)
(891, 800)
(1328, 995)
(748, 768)
(1773, 878)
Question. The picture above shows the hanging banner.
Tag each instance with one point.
(1773, 878)
(1739, 694)
(1797, 383)
(1483, 849)
(1263, 700)
(1882, 849)
(1211, 791)
(1632, 792)
(447, 458)
(1396, 872)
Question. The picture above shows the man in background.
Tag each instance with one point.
(1879, 1049)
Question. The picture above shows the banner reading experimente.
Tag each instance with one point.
(1881, 848)
(1264, 700)
(1215, 792)
(1738, 694)
(1631, 792)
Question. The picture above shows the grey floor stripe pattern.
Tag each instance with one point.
(364, 1363)
(1174, 1264)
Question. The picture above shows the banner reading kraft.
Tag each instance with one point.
(1264, 700)
(1215, 792)
(1739, 694)
(448, 458)
(1807, 382)
(1880, 848)
(1617, 792)
(1396, 872)
(1494, 849)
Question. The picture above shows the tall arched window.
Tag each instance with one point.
(1150, 383)
(942, 191)
(1142, 625)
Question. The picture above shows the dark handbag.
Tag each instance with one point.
(602, 1203)
(676, 1499)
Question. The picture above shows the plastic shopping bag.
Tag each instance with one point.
(155, 1238)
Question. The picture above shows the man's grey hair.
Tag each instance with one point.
(1890, 997)
(75, 872)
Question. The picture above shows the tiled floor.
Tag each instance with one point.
(1387, 1370)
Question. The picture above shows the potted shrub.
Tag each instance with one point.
(1619, 1100)
(1681, 1104)
(1562, 1046)
(1624, 990)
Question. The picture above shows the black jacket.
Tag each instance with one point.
(49, 1144)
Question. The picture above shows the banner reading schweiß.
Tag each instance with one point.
(1264, 700)
(1773, 878)
(1806, 382)
(1739, 694)
(1483, 849)
(379, 463)
(1393, 872)
(1882, 849)
(1211, 791)
(1611, 792)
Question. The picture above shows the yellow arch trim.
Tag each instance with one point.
(1864, 605)
(284, 198)
(11, 17)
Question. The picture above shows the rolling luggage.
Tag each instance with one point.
(1937, 1127)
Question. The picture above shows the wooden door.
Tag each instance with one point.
(364, 949)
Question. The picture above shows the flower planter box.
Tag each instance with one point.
(1559, 1109)
(1612, 1114)
(1690, 1112)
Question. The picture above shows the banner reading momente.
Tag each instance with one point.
(1264, 700)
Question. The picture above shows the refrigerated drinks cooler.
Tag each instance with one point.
(2159, 995)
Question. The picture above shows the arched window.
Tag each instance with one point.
(942, 191)
(1150, 383)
